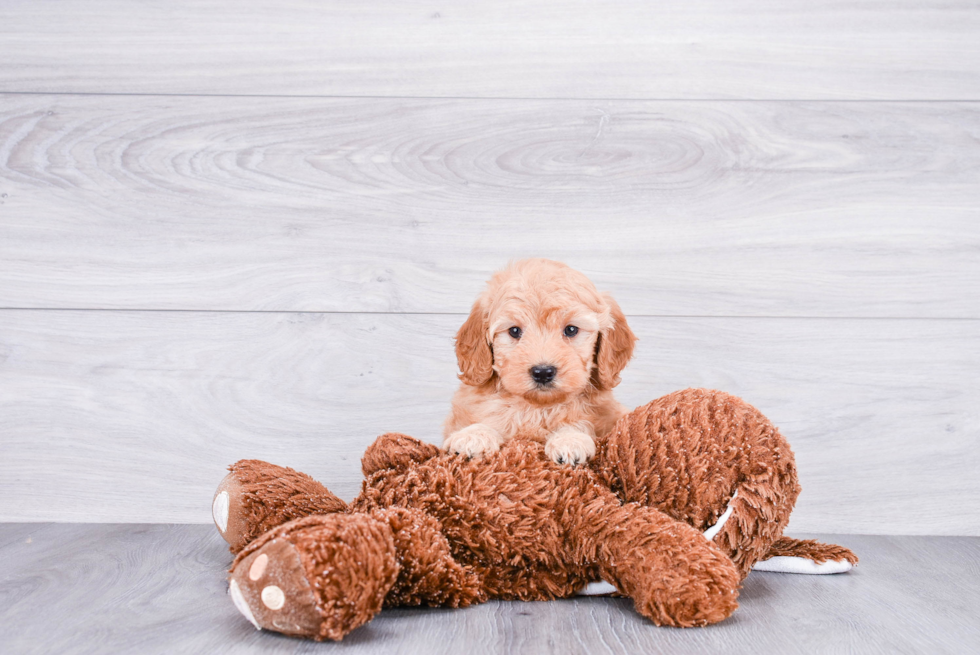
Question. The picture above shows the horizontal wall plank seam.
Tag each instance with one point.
(463, 314)
(110, 94)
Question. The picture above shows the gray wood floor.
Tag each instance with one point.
(86, 588)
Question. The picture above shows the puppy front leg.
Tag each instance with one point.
(474, 441)
(572, 444)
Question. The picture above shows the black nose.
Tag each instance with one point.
(543, 374)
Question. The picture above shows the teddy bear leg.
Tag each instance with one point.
(318, 577)
(784, 554)
(807, 556)
(257, 496)
(755, 518)
(673, 574)
(694, 452)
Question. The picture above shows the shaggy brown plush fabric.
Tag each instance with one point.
(438, 529)
(810, 549)
(532, 530)
(688, 452)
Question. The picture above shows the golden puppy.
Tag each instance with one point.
(539, 355)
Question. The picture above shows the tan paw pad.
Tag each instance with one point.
(258, 567)
(273, 598)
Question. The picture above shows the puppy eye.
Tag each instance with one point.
(515, 332)
(570, 330)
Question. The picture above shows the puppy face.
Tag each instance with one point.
(541, 331)
(543, 345)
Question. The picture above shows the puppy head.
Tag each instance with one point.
(543, 332)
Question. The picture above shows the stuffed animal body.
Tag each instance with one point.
(438, 529)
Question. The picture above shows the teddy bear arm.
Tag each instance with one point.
(257, 496)
(674, 575)
(395, 450)
(428, 575)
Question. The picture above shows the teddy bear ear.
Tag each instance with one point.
(473, 350)
(613, 348)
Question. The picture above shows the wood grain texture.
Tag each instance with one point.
(621, 49)
(133, 416)
(161, 589)
(715, 208)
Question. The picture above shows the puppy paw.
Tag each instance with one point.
(570, 446)
(474, 441)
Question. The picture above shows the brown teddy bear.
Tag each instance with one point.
(438, 529)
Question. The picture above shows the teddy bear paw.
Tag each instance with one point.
(227, 512)
(318, 576)
(271, 590)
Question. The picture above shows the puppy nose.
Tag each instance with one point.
(543, 374)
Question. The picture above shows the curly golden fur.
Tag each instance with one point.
(539, 356)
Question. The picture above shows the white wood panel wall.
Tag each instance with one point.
(689, 208)
(906, 49)
(132, 416)
(193, 270)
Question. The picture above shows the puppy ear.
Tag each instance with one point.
(472, 348)
(613, 348)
